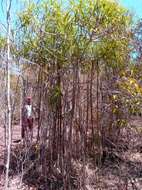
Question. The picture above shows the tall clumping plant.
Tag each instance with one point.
(78, 53)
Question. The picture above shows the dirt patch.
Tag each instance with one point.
(121, 168)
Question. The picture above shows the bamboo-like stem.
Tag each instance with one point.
(8, 96)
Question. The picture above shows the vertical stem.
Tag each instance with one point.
(8, 96)
(91, 101)
(97, 98)
(39, 102)
(97, 120)
(59, 115)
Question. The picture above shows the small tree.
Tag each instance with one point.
(8, 126)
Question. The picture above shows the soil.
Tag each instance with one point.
(123, 174)
(15, 181)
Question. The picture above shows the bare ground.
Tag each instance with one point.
(124, 174)
(15, 181)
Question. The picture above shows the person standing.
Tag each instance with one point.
(27, 119)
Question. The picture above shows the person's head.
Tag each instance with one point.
(28, 100)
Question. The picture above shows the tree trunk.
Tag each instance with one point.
(8, 96)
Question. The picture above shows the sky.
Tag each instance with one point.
(135, 6)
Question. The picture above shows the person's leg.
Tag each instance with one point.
(30, 126)
(24, 134)
(23, 131)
